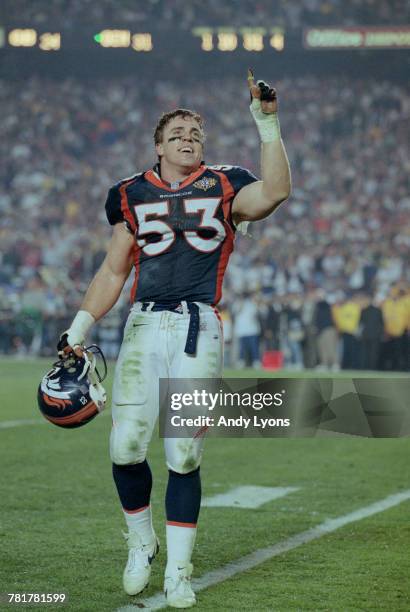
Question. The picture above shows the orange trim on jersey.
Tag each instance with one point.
(153, 178)
(135, 511)
(227, 248)
(218, 314)
(228, 195)
(131, 221)
(137, 253)
(128, 216)
(177, 524)
(88, 410)
(223, 262)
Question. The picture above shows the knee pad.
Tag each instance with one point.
(183, 455)
(128, 443)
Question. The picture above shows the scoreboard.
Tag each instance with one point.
(29, 37)
(222, 39)
(270, 39)
(207, 39)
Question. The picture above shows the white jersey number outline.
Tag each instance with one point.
(153, 226)
(208, 207)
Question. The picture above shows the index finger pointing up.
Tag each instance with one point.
(254, 90)
(251, 80)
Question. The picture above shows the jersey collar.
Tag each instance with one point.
(154, 177)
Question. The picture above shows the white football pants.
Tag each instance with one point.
(153, 348)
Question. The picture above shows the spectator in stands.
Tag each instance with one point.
(310, 352)
(183, 14)
(346, 315)
(371, 328)
(327, 336)
(396, 318)
(295, 332)
(247, 329)
(227, 329)
(270, 322)
(346, 227)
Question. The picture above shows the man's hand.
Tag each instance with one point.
(264, 106)
(263, 97)
(64, 347)
(258, 200)
(73, 339)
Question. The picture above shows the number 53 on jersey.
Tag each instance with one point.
(183, 236)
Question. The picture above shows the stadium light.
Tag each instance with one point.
(253, 38)
(142, 42)
(113, 38)
(26, 37)
(277, 40)
(227, 40)
(50, 41)
(207, 43)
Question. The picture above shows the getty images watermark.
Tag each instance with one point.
(211, 401)
(284, 407)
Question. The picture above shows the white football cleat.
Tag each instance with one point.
(138, 569)
(177, 587)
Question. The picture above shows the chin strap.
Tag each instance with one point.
(99, 395)
(97, 392)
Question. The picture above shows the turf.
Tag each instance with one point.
(61, 522)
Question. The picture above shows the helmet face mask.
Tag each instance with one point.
(71, 394)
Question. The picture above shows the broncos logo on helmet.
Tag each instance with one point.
(71, 394)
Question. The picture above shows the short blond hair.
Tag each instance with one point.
(167, 117)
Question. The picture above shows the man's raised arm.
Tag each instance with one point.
(105, 288)
(258, 200)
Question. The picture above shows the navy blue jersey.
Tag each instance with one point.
(184, 232)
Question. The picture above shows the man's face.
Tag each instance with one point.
(182, 143)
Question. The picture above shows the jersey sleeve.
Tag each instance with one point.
(240, 177)
(113, 206)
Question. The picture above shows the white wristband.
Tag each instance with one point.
(267, 123)
(82, 323)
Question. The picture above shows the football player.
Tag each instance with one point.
(175, 224)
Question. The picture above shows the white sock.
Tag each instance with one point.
(141, 522)
(180, 544)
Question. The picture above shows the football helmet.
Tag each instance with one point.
(71, 393)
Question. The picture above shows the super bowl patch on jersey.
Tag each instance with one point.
(205, 183)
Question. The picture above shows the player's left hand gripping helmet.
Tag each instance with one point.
(71, 393)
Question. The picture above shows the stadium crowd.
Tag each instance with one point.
(322, 283)
(183, 14)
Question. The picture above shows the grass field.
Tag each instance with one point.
(61, 521)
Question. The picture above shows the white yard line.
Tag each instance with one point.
(20, 423)
(246, 497)
(157, 601)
